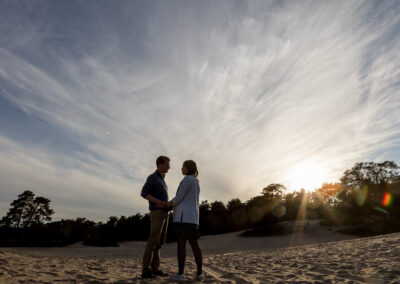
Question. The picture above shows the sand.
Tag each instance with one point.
(306, 254)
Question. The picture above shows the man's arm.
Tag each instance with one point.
(146, 194)
(157, 202)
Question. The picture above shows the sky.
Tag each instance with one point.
(256, 92)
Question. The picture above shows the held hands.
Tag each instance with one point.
(161, 204)
(164, 204)
(170, 205)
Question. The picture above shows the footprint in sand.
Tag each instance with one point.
(322, 270)
(71, 272)
(234, 277)
(84, 276)
(48, 273)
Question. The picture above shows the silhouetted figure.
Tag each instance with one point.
(186, 219)
(155, 190)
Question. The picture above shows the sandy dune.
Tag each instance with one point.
(315, 255)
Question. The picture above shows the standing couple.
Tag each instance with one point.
(185, 218)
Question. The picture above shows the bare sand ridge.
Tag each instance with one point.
(309, 254)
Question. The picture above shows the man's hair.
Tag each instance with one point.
(191, 167)
(162, 160)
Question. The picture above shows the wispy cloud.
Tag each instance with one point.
(247, 89)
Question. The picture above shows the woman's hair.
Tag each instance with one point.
(191, 167)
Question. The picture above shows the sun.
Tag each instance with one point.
(307, 175)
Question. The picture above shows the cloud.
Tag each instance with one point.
(247, 89)
(78, 190)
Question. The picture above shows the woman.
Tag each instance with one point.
(186, 219)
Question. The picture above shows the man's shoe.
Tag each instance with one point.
(177, 277)
(200, 277)
(148, 274)
(159, 273)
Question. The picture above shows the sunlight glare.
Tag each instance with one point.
(307, 175)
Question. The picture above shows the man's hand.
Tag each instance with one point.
(158, 203)
(161, 204)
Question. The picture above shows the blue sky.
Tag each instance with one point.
(256, 92)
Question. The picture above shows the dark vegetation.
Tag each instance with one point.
(366, 202)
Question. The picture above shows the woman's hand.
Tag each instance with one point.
(161, 204)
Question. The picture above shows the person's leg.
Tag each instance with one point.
(155, 263)
(197, 255)
(156, 224)
(181, 254)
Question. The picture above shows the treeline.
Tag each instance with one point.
(368, 200)
(365, 202)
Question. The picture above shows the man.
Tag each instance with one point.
(155, 190)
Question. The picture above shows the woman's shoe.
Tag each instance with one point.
(178, 277)
(200, 277)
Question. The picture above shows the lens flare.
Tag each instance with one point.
(361, 196)
(381, 210)
(279, 210)
(387, 199)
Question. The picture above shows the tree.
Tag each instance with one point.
(367, 182)
(234, 205)
(218, 218)
(296, 204)
(217, 207)
(237, 215)
(370, 173)
(28, 210)
(205, 216)
(273, 191)
(327, 193)
(204, 207)
(257, 208)
(19, 209)
(39, 212)
(112, 221)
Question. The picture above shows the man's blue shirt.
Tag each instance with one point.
(156, 187)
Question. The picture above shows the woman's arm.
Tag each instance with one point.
(183, 188)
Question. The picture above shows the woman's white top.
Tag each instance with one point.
(186, 201)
